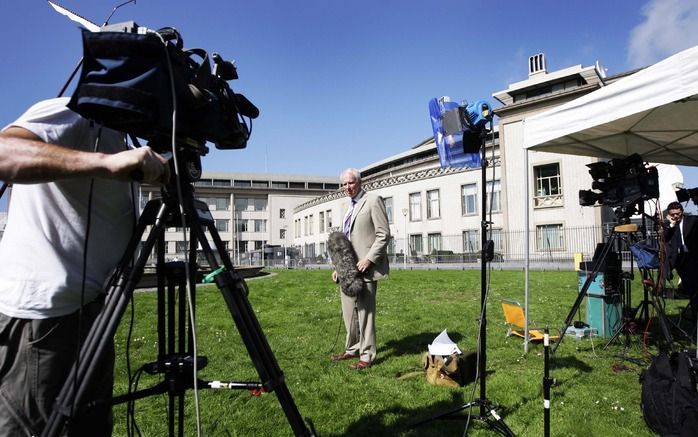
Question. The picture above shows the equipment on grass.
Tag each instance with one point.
(669, 399)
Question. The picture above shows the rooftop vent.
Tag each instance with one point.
(536, 64)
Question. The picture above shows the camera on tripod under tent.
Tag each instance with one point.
(621, 184)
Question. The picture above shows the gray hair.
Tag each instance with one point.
(352, 171)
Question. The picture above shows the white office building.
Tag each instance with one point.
(435, 213)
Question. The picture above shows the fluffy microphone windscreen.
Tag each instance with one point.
(344, 259)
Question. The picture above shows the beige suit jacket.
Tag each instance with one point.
(370, 234)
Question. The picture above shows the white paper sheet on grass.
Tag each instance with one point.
(443, 345)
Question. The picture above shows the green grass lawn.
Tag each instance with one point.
(597, 391)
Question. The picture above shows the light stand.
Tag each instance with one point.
(487, 412)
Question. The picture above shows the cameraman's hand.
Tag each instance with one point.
(141, 164)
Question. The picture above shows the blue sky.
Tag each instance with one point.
(347, 83)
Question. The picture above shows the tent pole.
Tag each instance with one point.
(526, 252)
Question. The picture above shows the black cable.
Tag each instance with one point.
(129, 335)
(339, 328)
(88, 223)
(131, 424)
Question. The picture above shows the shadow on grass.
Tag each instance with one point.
(438, 419)
(570, 362)
(412, 344)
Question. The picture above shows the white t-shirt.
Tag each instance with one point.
(42, 249)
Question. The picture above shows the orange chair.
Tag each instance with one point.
(515, 318)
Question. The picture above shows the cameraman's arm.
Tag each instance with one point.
(24, 158)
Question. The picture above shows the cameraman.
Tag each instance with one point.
(71, 215)
(681, 236)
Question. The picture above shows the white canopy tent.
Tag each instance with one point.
(653, 113)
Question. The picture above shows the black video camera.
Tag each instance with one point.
(134, 79)
(686, 194)
(620, 183)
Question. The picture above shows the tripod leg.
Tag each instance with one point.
(234, 291)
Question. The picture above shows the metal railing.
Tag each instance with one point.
(557, 250)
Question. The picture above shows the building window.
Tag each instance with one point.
(433, 206)
(548, 180)
(494, 194)
(415, 207)
(282, 213)
(548, 185)
(468, 199)
(321, 219)
(388, 202)
(221, 225)
(433, 242)
(297, 227)
(217, 203)
(415, 244)
(260, 225)
(180, 247)
(251, 204)
(282, 234)
(328, 217)
(242, 225)
(260, 204)
(550, 237)
(310, 250)
(310, 224)
(391, 245)
(471, 241)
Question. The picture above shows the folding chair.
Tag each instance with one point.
(515, 319)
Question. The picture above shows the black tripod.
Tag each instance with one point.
(641, 312)
(175, 360)
(487, 413)
(599, 261)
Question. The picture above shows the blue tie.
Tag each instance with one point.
(347, 221)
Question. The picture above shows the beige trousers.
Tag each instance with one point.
(359, 320)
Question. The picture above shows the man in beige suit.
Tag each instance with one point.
(366, 225)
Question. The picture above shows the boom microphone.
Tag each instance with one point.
(344, 259)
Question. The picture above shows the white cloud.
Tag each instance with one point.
(669, 27)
